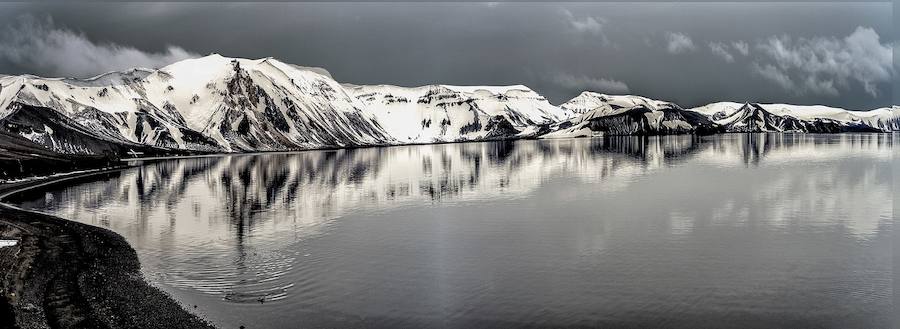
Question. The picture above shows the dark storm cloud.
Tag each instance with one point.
(37, 45)
(690, 53)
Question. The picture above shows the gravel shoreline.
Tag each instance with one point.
(64, 274)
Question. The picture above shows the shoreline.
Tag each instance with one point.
(526, 138)
(65, 274)
(128, 162)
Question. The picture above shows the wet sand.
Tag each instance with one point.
(64, 274)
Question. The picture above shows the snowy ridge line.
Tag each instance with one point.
(885, 119)
(217, 104)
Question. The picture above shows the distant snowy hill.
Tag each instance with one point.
(628, 115)
(738, 117)
(442, 113)
(753, 118)
(220, 104)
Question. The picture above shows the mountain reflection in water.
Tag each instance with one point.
(681, 231)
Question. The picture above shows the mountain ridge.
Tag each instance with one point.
(221, 104)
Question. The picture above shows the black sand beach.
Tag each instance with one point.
(63, 274)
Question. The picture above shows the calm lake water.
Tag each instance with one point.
(730, 231)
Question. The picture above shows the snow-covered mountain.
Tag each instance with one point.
(443, 113)
(754, 117)
(884, 119)
(220, 104)
(628, 115)
(212, 103)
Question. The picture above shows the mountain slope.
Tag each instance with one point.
(443, 113)
(628, 115)
(40, 141)
(48, 129)
(753, 118)
(884, 119)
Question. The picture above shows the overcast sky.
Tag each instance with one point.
(808, 53)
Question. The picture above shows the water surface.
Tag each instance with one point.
(730, 231)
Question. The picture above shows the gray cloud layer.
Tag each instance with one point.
(588, 25)
(722, 51)
(42, 47)
(741, 47)
(581, 82)
(825, 63)
(679, 43)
